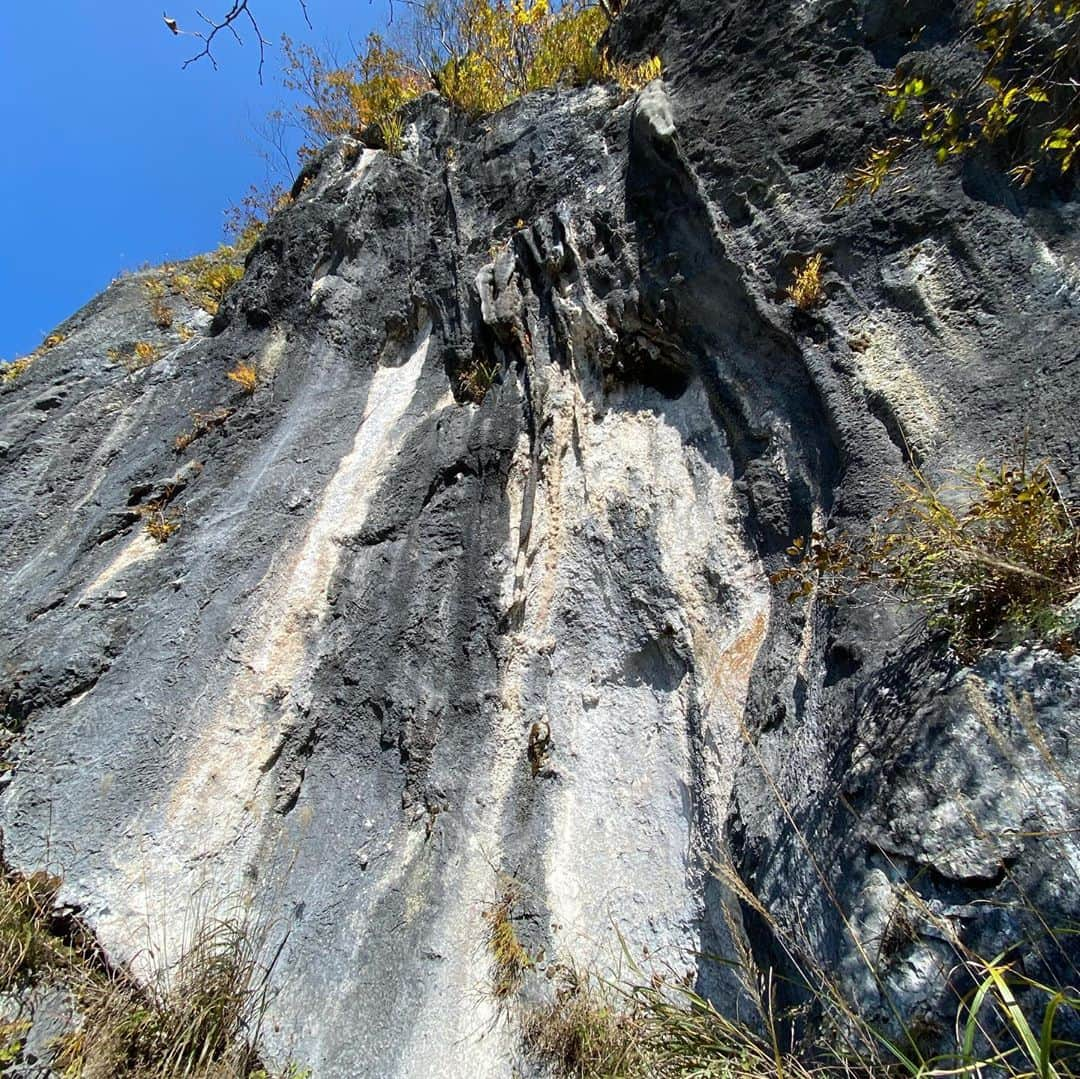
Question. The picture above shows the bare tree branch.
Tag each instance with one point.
(238, 9)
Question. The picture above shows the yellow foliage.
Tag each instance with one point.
(1023, 101)
(343, 100)
(506, 51)
(806, 290)
(386, 83)
(145, 352)
(568, 51)
(483, 54)
(161, 313)
(637, 76)
(328, 112)
(141, 354)
(246, 219)
(205, 279)
(880, 164)
(202, 423)
(245, 376)
(159, 526)
(11, 371)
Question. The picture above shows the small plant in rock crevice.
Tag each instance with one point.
(246, 376)
(476, 379)
(160, 311)
(159, 524)
(509, 957)
(393, 135)
(202, 423)
(139, 356)
(806, 290)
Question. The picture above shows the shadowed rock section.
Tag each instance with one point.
(320, 691)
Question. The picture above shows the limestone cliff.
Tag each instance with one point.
(320, 690)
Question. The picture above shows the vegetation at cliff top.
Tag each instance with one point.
(9, 372)
(1022, 102)
(480, 54)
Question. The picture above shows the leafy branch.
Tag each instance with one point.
(1024, 96)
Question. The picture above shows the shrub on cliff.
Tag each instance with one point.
(480, 54)
(992, 556)
(342, 98)
(1023, 101)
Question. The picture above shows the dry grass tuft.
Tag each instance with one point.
(509, 957)
(160, 311)
(476, 379)
(141, 355)
(145, 353)
(202, 423)
(159, 524)
(160, 527)
(196, 1018)
(9, 372)
(583, 1032)
(245, 376)
(806, 291)
(594, 1029)
(631, 77)
(205, 280)
(26, 945)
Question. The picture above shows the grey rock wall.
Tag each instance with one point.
(320, 691)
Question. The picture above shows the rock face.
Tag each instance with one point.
(404, 642)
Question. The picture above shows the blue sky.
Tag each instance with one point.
(111, 155)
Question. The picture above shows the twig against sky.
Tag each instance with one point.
(238, 11)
